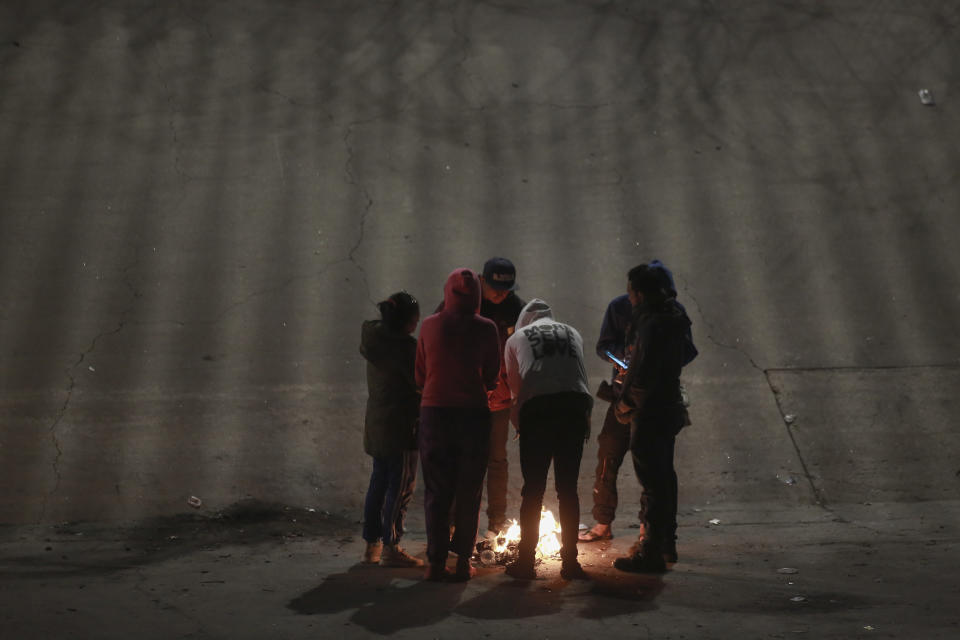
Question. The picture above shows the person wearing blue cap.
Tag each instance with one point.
(501, 304)
(614, 439)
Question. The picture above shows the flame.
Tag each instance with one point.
(549, 543)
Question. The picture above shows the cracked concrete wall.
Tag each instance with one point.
(200, 202)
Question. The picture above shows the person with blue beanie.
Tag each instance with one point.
(614, 439)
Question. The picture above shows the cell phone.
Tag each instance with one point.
(617, 361)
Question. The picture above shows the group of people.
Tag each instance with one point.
(487, 358)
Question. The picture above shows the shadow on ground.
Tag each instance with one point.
(388, 601)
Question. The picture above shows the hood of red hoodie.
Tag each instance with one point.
(461, 293)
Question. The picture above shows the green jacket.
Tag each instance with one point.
(393, 401)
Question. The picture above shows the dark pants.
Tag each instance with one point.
(497, 475)
(391, 487)
(454, 447)
(613, 444)
(652, 451)
(552, 428)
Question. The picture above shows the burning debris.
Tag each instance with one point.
(504, 548)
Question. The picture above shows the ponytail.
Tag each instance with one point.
(398, 310)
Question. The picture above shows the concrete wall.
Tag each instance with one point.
(200, 202)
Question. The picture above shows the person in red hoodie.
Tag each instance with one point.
(499, 302)
(458, 362)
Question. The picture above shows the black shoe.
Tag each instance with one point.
(521, 571)
(573, 571)
(638, 563)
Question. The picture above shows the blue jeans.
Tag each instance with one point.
(391, 487)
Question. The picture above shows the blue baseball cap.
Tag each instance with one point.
(500, 274)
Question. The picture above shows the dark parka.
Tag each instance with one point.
(651, 389)
(393, 403)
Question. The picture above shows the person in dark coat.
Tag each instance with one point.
(614, 439)
(389, 433)
(458, 361)
(652, 404)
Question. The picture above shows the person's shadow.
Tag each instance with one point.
(603, 595)
(384, 603)
(387, 601)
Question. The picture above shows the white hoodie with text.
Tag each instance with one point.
(543, 356)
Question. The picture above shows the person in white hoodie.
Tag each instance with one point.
(552, 404)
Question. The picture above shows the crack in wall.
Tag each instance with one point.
(293, 102)
(201, 22)
(65, 407)
(262, 292)
(818, 496)
(768, 373)
(351, 179)
(465, 45)
(171, 121)
(711, 330)
(348, 169)
(52, 431)
(817, 493)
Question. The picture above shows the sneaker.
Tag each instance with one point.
(573, 571)
(394, 556)
(521, 570)
(371, 554)
(464, 571)
(639, 563)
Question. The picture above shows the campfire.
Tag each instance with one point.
(504, 548)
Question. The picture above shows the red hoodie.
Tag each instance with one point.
(458, 353)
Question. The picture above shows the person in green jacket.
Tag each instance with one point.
(390, 424)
